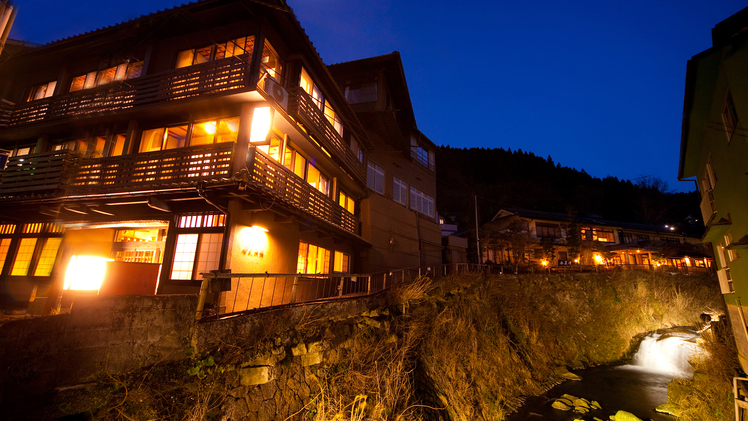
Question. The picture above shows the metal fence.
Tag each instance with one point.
(245, 292)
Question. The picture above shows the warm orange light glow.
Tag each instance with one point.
(598, 259)
(262, 120)
(576, 260)
(210, 127)
(688, 261)
(85, 273)
(544, 262)
(253, 241)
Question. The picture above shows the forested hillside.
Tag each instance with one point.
(505, 178)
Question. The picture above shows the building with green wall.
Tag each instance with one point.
(714, 153)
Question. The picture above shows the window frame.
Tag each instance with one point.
(202, 225)
(421, 202)
(377, 177)
(400, 191)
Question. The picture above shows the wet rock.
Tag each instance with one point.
(625, 416)
(564, 372)
(561, 405)
(670, 409)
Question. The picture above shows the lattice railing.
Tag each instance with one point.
(202, 79)
(153, 169)
(304, 107)
(37, 173)
(277, 180)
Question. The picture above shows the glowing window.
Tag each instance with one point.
(118, 145)
(313, 259)
(184, 256)
(270, 62)
(341, 262)
(346, 202)
(23, 257)
(47, 257)
(7, 228)
(42, 91)
(318, 180)
(210, 253)
(4, 246)
(163, 138)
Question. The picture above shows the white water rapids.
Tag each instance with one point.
(666, 353)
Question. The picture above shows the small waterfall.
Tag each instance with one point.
(666, 353)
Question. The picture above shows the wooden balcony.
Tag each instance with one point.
(302, 107)
(62, 173)
(271, 177)
(42, 173)
(153, 170)
(204, 79)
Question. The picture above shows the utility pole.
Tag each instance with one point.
(477, 237)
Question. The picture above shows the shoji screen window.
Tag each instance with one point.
(198, 246)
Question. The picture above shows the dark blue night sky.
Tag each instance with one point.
(596, 85)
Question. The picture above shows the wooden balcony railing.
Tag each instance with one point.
(42, 173)
(303, 107)
(277, 180)
(153, 170)
(202, 79)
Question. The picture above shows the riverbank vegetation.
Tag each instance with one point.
(466, 347)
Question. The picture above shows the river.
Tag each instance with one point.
(637, 387)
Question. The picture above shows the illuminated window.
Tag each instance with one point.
(318, 180)
(333, 118)
(307, 84)
(210, 253)
(184, 256)
(599, 234)
(399, 191)
(47, 257)
(235, 47)
(375, 177)
(42, 91)
(421, 202)
(118, 145)
(23, 257)
(197, 252)
(139, 245)
(346, 202)
(4, 246)
(273, 150)
(163, 138)
(341, 262)
(107, 76)
(202, 221)
(215, 131)
(270, 62)
(313, 259)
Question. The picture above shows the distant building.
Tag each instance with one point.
(520, 236)
(210, 136)
(714, 152)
